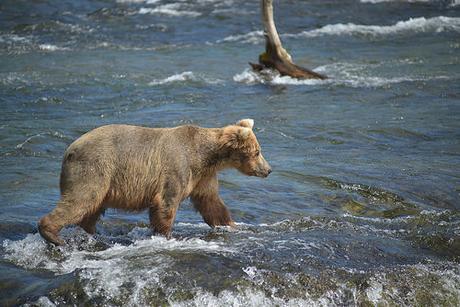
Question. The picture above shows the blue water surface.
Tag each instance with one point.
(362, 206)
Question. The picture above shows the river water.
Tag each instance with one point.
(362, 207)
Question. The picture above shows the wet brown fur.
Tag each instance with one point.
(136, 168)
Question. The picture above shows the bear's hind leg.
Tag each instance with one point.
(71, 210)
(162, 215)
(88, 223)
(49, 229)
(66, 212)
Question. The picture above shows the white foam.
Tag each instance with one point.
(279, 80)
(107, 279)
(248, 76)
(49, 47)
(418, 25)
(74, 28)
(32, 251)
(253, 37)
(192, 225)
(14, 38)
(130, 1)
(138, 1)
(193, 244)
(246, 298)
(253, 298)
(125, 272)
(361, 75)
(250, 271)
(41, 302)
(346, 74)
(28, 253)
(380, 1)
(172, 9)
(435, 212)
(27, 43)
(156, 26)
(40, 134)
(185, 76)
(107, 272)
(380, 286)
(17, 44)
(374, 291)
(412, 25)
(381, 220)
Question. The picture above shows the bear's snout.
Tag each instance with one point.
(265, 173)
(264, 169)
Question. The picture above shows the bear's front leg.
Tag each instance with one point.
(213, 211)
(205, 197)
(162, 214)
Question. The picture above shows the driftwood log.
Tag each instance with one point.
(275, 56)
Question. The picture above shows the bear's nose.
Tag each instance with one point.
(269, 171)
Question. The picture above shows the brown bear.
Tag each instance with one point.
(136, 168)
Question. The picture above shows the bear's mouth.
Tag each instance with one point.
(261, 174)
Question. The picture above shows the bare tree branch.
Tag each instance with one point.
(275, 56)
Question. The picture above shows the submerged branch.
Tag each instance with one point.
(275, 56)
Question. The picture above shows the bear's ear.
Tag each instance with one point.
(244, 133)
(248, 123)
(235, 137)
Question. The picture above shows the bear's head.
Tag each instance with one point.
(243, 149)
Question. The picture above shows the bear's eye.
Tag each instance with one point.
(257, 153)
